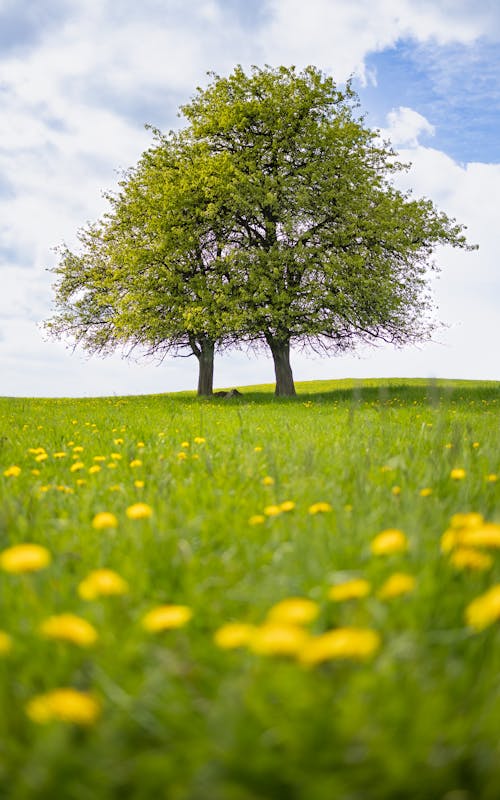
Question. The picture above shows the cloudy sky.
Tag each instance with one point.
(80, 78)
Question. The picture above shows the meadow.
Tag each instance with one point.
(252, 598)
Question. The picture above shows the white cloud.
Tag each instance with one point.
(405, 126)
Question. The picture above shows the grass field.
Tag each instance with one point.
(191, 679)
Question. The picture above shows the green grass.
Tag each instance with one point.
(181, 718)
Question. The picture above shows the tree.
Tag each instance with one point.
(151, 273)
(325, 252)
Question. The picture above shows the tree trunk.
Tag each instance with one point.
(206, 369)
(285, 386)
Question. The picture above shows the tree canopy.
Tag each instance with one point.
(270, 219)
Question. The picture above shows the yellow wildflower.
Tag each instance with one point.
(35, 472)
(293, 611)
(116, 456)
(12, 472)
(256, 519)
(492, 477)
(396, 585)
(77, 466)
(136, 462)
(64, 705)
(81, 482)
(319, 508)
(139, 484)
(181, 455)
(233, 635)
(94, 468)
(69, 628)
(467, 558)
(389, 541)
(60, 454)
(396, 491)
(24, 558)
(140, 445)
(99, 458)
(102, 583)
(484, 610)
(185, 444)
(287, 505)
(267, 481)
(487, 535)
(342, 643)
(277, 639)
(139, 511)
(166, 617)
(350, 590)
(272, 511)
(199, 439)
(117, 441)
(458, 474)
(5, 643)
(78, 449)
(257, 449)
(426, 491)
(41, 457)
(104, 519)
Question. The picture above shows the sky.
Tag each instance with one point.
(79, 79)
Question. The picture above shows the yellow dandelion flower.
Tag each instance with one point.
(293, 611)
(112, 465)
(60, 454)
(492, 478)
(358, 644)
(102, 583)
(484, 610)
(467, 558)
(94, 469)
(118, 441)
(258, 449)
(35, 472)
(181, 455)
(199, 439)
(116, 456)
(12, 472)
(81, 482)
(458, 474)
(78, 465)
(99, 458)
(24, 558)
(267, 481)
(166, 617)
(389, 541)
(475, 445)
(185, 444)
(256, 519)
(487, 535)
(425, 492)
(139, 511)
(64, 705)
(5, 643)
(69, 628)
(140, 445)
(139, 484)
(287, 505)
(136, 462)
(396, 585)
(104, 519)
(233, 635)
(320, 508)
(277, 639)
(41, 457)
(78, 449)
(350, 590)
(272, 511)
(396, 491)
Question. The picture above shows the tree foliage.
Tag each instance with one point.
(271, 219)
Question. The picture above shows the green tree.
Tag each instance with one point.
(325, 252)
(152, 273)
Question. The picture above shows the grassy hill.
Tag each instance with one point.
(189, 677)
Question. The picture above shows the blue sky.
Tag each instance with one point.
(80, 78)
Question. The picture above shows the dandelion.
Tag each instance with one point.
(81, 482)
(136, 462)
(467, 558)
(389, 541)
(458, 474)
(102, 583)
(60, 454)
(272, 511)
(116, 456)
(24, 558)
(492, 478)
(233, 635)
(166, 617)
(267, 481)
(140, 445)
(475, 445)
(104, 519)
(182, 456)
(94, 469)
(5, 643)
(64, 705)
(425, 492)
(41, 457)
(69, 628)
(484, 610)
(139, 511)
(99, 458)
(258, 449)
(396, 491)
(118, 441)
(199, 440)
(78, 465)
(487, 535)
(293, 611)
(350, 590)
(396, 585)
(78, 449)
(277, 639)
(12, 472)
(35, 472)
(357, 644)
(256, 519)
(185, 444)
(139, 484)
(320, 508)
